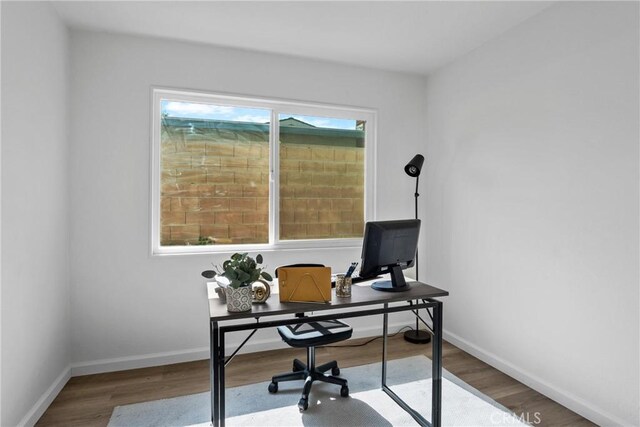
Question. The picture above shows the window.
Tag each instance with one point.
(234, 173)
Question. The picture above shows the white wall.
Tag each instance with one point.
(35, 262)
(532, 225)
(131, 309)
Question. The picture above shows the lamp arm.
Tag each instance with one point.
(416, 195)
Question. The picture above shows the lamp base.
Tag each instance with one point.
(417, 336)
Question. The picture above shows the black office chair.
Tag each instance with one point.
(310, 335)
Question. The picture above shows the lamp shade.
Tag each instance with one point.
(414, 167)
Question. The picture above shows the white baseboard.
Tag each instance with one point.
(139, 361)
(167, 358)
(589, 410)
(45, 400)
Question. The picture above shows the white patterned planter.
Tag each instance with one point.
(238, 299)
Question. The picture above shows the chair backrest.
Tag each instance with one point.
(315, 333)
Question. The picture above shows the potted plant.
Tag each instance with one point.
(241, 271)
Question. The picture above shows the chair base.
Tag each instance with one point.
(310, 373)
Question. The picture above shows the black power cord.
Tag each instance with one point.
(366, 342)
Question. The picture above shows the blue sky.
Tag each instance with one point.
(256, 115)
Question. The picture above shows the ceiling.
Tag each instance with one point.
(413, 37)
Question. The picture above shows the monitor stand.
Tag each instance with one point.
(396, 284)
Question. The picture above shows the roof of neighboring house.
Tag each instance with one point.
(293, 122)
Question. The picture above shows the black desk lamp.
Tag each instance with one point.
(413, 169)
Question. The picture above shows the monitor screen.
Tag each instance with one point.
(389, 246)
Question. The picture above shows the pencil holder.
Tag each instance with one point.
(343, 286)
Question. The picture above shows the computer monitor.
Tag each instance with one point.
(389, 246)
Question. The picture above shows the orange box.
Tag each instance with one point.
(304, 284)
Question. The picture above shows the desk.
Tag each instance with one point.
(363, 302)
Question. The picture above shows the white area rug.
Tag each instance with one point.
(367, 405)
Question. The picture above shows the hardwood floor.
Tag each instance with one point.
(89, 400)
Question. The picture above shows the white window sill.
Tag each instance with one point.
(328, 244)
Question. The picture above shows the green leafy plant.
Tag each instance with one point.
(240, 270)
(203, 241)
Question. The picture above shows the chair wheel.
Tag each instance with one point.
(295, 368)
(344, 391)
(335, 371)
(273, 387)
(303, 404)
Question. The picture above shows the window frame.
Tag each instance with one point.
(276, 106)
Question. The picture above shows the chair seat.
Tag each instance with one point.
(315, 333)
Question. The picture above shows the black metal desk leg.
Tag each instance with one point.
(436, 356)
(385, 331)
(214, 377)
(221, 384)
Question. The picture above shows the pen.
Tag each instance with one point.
(351, 269)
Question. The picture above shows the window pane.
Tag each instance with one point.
(214, 174)
(321, 177)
